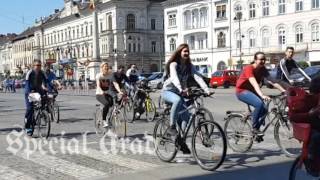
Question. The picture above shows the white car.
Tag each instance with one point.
(156, 80)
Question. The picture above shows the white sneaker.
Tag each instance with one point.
(106, 124)
(137, 114)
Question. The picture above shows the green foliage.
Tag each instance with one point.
(303, 64)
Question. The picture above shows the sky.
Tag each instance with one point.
(17, 15)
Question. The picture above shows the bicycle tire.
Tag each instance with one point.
(129, 110)
(98, 122)
(207, 141)
(298, 171)
(230, 134)
(119, 125)
(150, 110)
(202, 111)
(160, 139)
(43, 120)
(56, 109)
(291, 148)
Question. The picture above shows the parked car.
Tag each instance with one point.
(144, 76)
(156, 80)
(312, 71)
(225, 78)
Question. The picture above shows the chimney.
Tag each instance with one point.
(56, 10)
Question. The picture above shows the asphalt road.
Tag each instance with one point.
(74, 151)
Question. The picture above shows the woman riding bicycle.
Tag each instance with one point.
(313, 117)
(249, 92)
(179, 69)
(103, 95)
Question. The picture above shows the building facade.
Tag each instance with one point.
(213, 28)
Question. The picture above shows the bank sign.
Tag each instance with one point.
(200, 59)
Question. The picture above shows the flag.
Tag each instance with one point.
(92, 5)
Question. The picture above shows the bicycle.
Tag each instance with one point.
(40, 117)
(240, 135)
(117, 118)
(148, 104)
(209, 134)
(53, 107)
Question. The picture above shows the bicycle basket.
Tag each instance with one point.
(301, 131)
(34, 97)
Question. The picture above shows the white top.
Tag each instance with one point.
(99, 78)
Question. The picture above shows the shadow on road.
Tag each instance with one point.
(73, 120)
(8, 130)
(71, 135)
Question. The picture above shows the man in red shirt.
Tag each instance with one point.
(249, 92)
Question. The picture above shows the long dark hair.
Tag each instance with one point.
(176, 57)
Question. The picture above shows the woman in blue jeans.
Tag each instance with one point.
(178, 70)
(248, 89)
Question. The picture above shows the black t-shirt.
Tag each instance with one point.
(118, 78)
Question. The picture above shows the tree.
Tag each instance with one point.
(303, 64)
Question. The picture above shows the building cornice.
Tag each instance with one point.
(173, 3)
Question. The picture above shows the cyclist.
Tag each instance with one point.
(53, 83)
(133, 73)
(36, 81)
(313, 117)
(288, 66)
(118, 79)
(249, 92)
(179, 68)
(103, 80)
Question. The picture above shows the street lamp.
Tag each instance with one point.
(238, 18)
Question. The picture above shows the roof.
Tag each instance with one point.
(25, 34)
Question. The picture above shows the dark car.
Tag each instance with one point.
(225, 78)
(312, 71)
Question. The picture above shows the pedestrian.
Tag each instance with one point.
(13, 85)
(7, 85)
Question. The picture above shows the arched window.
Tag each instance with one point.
(203, 17)
(172, 44)
(221, 40)
(110, 22)
(265, 37)
(195, 18)
(252, 39)
(281, 36)
(315, 34)
(187, 20)
(131, 22)
(299, 34)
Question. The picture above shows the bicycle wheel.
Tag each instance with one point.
(119, 125)
(98, 122)
(129, 110)
(283, 134)
(299, 172)
(209, 146)
(42, 124)
(150, 109)
(165, 147)
(238, 133)
(203, 114)
(56, 112)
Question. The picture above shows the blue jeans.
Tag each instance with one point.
(260, 109)
(178, 105)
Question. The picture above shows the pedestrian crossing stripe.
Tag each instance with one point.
(63, 166)
(7, 173)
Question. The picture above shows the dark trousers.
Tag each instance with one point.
(314, 146)
(107, 101)
(29, 109)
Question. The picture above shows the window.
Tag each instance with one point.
(191, 42)
(172, 44)
(221, 12)
(265, 8)
(281, 36)
(315, 4)
(101, 27)
(203, 17)
(172, 20)
(153, 24)
(153, 46)
(109, 22)
(129, 47)
(91, 29)
(252, 39)
(201, 43)
(78, 32)
(299, 34)
(299, 5)
(81, 31)
(265, 38)
(195, 18)
(252, 10)
(73, 34)
(221, 40)
(134, 47)
(139, 47)
(315, 35)
(187, 20)
(237, 9)
(87, 33)
(131, 22)
(282, 6)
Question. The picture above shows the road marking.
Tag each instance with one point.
(63, 166)
(6, 173)
(118, 160)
